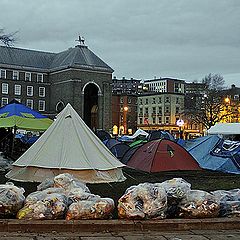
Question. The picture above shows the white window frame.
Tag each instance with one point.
(4, 88)
(28, 74)
(3, 76)
(39, 91)
(6, 99)
(31, 91)
(17, 75)
(17, 90)
(29, 103)
(39, 74)
(41, 108)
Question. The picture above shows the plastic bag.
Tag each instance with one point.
(230, 209)
(97, 209)
(199, 204)
(11, 200)
(51, 206)
(146, 200)
(230, 195)
(67, 181)
(48, 183)
(176, 189)
(78, 194)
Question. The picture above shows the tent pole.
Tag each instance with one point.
(13, 140)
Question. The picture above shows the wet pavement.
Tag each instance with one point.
(135, 235)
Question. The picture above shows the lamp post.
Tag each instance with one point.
(125, 110)
(180, 124)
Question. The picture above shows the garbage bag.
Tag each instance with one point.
(78, 194)
(199, 204)
(67, 181)
(146, 200)
(229, 202)
(51, 206)
(101, 208)
(47, 183)
(11, 200)
(176, 189)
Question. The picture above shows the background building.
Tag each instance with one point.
(48, 81)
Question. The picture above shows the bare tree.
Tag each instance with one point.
(212, 108)
(7, 39)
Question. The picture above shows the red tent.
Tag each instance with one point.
(162, 155)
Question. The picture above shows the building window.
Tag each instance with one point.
(4, 88)
(153, 120)
(28, 76)
(177, 100)
(160, 120)
(154, 110)
(140, 120)
(167, 120)
(121, 99)
(30, 103)
(41, 105)
(60, 106)
(2, 74)
(129, 100)
(177, 110)
(4, 101)
(146, 100)
(140, 111)
(17, 89)
(40, 77)
(15, 75)
(167, 109)
(140, 101)
(160, 110)
(146, 111)
(41, 91)
(154, 101)
(29, 90)
(167, 100)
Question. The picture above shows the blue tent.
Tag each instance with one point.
(215, 153)
(18, 115)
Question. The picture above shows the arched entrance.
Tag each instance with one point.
(91, 105)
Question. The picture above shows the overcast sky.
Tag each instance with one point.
(142, 39)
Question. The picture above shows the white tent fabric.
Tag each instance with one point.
(225, 129)
(68, 145)
(137, 133)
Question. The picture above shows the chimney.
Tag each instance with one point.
(233, 86)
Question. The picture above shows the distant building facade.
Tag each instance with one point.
(169, 85)
(160, 111)
(48, 81)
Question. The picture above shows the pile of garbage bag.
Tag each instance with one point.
(172, 198)
(65, 197)
(11, 200)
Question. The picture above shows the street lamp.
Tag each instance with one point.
(180, 124)
(125, 110)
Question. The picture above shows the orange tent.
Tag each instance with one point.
(162, 155)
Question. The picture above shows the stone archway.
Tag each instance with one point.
(90, 116)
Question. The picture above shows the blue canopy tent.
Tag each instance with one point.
(19, 116)
(215, 153)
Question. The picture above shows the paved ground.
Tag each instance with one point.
(177, 235)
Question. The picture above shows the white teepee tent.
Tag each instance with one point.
(70, 146)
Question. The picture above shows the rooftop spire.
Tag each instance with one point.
(81, 41)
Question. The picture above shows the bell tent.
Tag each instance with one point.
(68, 146)
(162, 155)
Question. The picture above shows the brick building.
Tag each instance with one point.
(48, 81)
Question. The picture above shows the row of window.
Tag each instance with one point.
(167, 110)
(18, 90)
(29, 103)
(15, 75)
(155, 120)
(167, 100)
